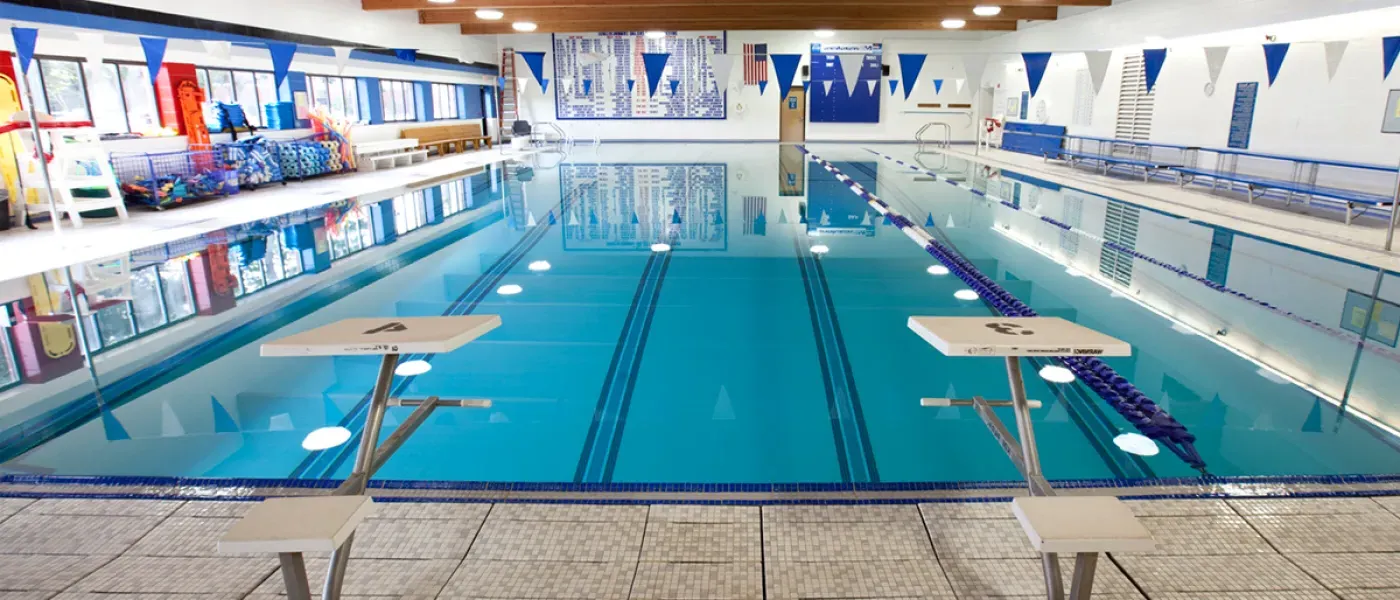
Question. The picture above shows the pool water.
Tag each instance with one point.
(768, 345)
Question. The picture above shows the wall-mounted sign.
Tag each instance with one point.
(1391, 123)
(820, 48)
(1385, 317)
(1242, 117)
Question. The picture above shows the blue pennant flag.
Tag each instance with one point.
(155, 55)
(552, 220)
(501, 82)
(929, 221)
(654, 62)
(535, 61)
(786, 67)
(806, 85)
(719, 219)
(675, 84)
(1036, 62)
(25, 38)
(894, 85)
(406, 54)
(762, 86)
(282, 53)
(1313, 424)
(631, 83)
(909, 67)
(1273, 59)
(544, 85)
(1152, 60)
(223, 422)
(937, 86)
(587, 87)
(112, 427)
(592, 217)
(635, 220)
(676, 217)
(1390, 48)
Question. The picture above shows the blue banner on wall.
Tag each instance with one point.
(1273, 59)
(909, 67)
(1036, 63)
(1390, 48)
(282, 54)
(842, 104)
(155, 55)
(785, 65)
(653, 63)
(1242, 118)
(25, 39)
(1152, 61)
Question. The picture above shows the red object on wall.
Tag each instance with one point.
(47, 346)
(167, 94)
(214, 286)
(7, 70)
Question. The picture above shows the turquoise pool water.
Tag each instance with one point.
(747, 354)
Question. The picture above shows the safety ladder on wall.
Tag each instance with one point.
(506, 94)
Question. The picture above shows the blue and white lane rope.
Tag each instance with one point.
(1121, 394)
(1343, 336)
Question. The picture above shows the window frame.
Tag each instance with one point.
(85, 81)
(202, 76)
(8, 354)
(400, 91)
(342, 82)
(446, 93)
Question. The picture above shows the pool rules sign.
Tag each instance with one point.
(1391, 124)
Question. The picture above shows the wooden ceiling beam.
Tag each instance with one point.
(499, 27)
(512, 4)
(828, 12)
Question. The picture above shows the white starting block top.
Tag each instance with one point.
(385, 335)
(1015, 336)
(311, 524)
(1074, 524)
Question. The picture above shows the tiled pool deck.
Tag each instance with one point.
(1212, 548)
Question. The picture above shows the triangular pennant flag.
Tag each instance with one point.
(155, 55)
(676, 217)
(894, 85)
(523, 83)
(785, 65)
(1215, 61)
(960, 82)
(782, 217)
(282, 53)
(635, 220)
(223, 422)
(530, 220)
(724, 409)
(719, 219)
(587, 87)
(1273, 59)
(762, 87)
(654, 62)
(333, 414)
(950, 224)
(501, 82)
(95, 44)
(824, 219)
(342, 58)
(406, 54)
(1313, 424)
(723, 66)
(544, 85)
(675, 84)
(25, 37)
(566, 83)
(1334, 52)
(870, 85)
(631, 83)
(806, 85)
(170, 425)
(974, 65)
(219, 49)
(929, 221)
(1152, 60)
(937, 86)
(909, 67)
(1098, 67)
(535, 62)
(851, 65)
(1036, 62)
(552, 220)
(1390, 48)
(826, 87)
(111, 427)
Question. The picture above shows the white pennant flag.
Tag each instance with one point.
(566, 83)
(219, 50)
(850, 69)
(870, 84)
(723, 65)
(1215, 60)
(974, 65)
(1098, 67)
(524, 84)
(826, 87)
(1334, 51)
(960, 82)
(342, 58)
(93, 44)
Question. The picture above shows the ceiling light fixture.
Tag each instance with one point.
(966, 295)
(1057, 374)
(938, 270)
(413, 368)
(325, 437)
(823, 33)
(441, 1)
(489, 14)
(820, 249)
(986, 11)
(656, 35)
(524, 26)
(1136, 443)
(509, 289)
(659, 247)
(540, 265)
(954, 23)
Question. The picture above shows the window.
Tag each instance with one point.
(175, 289)
(109, 325)
(339, 95)
(409, 212)
(9, 368)
(454, 197)
(59, 89)
(354, 233)
(248, 89)
(445, 101)
(147, 300)
(277, 263)
(398, 99)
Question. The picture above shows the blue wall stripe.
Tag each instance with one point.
(1218, 267)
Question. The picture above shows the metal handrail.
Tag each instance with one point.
(947, 134)
(561, 137)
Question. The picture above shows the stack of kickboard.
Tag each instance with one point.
(255, 159)
(280, 115)
(304, 158)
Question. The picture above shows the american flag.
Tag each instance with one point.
(755, 63)
(755, 221)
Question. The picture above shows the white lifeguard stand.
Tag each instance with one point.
(1082, 525)
(293, 526)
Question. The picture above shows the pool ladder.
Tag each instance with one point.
(947, 135)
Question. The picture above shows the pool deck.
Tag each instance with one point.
(1250, 549)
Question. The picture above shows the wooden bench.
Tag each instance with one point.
(448, 139)
(1258, 186)
(370, 156)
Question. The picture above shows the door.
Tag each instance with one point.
(792, 121)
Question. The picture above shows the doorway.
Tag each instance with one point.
(792, 122)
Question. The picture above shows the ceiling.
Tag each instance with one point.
(569, 16)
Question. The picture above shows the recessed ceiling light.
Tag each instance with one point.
(953, 23)
(1136, 443)
(656, 35)
(820, 249)
(823, 33)
(509, 290)
(412, 368)
(1056, 374)
(489, 14)
(659, 247)
(442, 1)
(325, 437)
(540, 265)
(965, 295)
(986, 11)
(523, 26)
(938, 270)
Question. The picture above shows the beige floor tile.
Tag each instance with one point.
(39, 572)
(837, 513)
(374, 577)
(1369, 570)
(123, 508)
(27, 533)
(1370, 532)
(539, 580)
(1025, 577)
(10, 506)
(701, 542)
(559, 540)
(869, 541)
(856, 579)
(1304, 506)
(1229, 534)
(698, 581)
(520, 511)
(184, 536)
(937, 511)
(462, 511)
(152, 574)
(1180, 508)
(1230, 573)
(681, 513)
(980, 538)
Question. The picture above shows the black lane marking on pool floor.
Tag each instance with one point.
(600, 449)
(842, 399)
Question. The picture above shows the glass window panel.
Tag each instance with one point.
(146, 299)
(352, 98)
(221, 86)
(9, 371)
(337, 96)
(386, 99)
(366, 226)
(339, 247)
(63, 87)
(203, 76)
(272, 261)
(246, 90)
(410, 106)
(267, 87)
(37, 87)
(175, 283)
(319, 96)
(115, 323)
(291, 258)
(90, 334)
(108, 115)
(140, 96)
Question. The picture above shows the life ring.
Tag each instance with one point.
(992, 124)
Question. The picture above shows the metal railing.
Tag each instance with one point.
(947, 135)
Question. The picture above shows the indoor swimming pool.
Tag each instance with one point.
(733, 313)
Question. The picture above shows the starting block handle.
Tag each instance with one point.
(942, 402)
